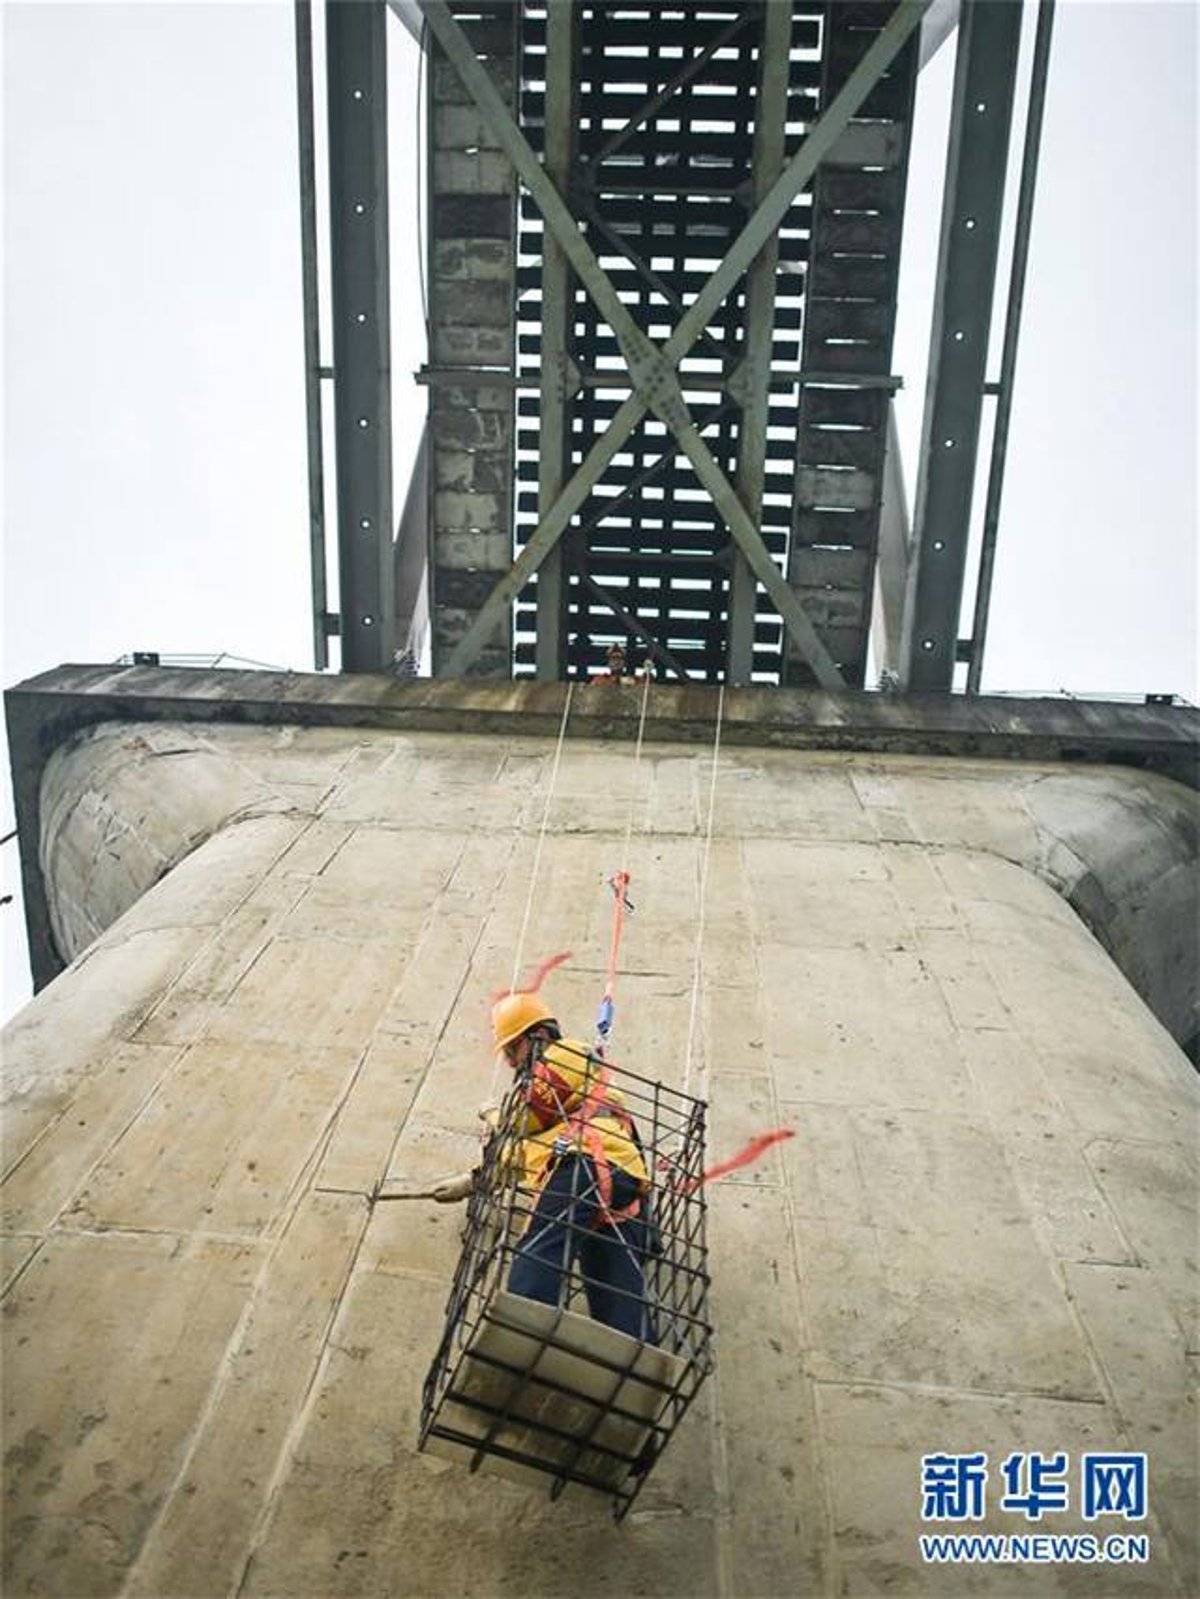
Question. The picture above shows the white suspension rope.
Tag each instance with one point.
(537, 864)
(696, 963)
(537, 857)
(637, 761)
(619, 884)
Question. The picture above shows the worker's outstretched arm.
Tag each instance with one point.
(451, 1189)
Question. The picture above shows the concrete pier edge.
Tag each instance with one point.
(45, 712)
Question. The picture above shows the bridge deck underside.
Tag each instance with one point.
(664, 174)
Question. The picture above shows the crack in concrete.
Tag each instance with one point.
(301, 1416)
(953, 1391)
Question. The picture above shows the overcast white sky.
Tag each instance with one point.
(154, 467)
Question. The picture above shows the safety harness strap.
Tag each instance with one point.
(578, 1130)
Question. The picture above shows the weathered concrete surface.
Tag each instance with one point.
(49, 710)
(983, 1235)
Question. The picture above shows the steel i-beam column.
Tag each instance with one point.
(356, 67)
(891, 561)
(557, 296)
(1012, 328)
(312, 332)
(754, 374)
(981, 116)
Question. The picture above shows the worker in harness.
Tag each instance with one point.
(580, 1155)
(616, 666)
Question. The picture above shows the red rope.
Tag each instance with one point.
(619, 884)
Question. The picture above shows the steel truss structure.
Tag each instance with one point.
(663, 249)
(665, 334)
(786, 384)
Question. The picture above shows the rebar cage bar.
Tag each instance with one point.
(526, 1386)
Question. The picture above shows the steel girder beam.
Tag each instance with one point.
(774, 207)
(557, 318)
(891, 563)
(312, 332)
(356, 70)
(471, 283)
(937, 28)
(851, 285)
(411, 556)
(981, 116)
(752, 380)
(652, 370)
(409, 14)
(1012, 328)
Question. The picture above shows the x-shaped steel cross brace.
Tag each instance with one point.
(653, 369)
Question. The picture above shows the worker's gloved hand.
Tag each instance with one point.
(489, 1115)
(451, 1189)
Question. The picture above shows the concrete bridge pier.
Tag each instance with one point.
(958, 959)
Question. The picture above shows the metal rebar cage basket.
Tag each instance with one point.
(525, 1386)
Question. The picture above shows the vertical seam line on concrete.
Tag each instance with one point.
(1118, 1226)
(310, 1167)
(1164, 1540)
(823, 1477)
(1031, 1043)
(297, 1193)
(223, 1376)
(727, 1587)
(300, 1420)
(39, 1244)
(706, 856)
(200, 1037)
(435, 1046)
(169, 1068)
(807, 1385)
(537, 858)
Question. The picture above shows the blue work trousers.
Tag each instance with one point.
(563, 1230)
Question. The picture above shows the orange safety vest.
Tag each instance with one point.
(572, 1103)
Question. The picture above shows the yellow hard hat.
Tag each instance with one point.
(516, 1014)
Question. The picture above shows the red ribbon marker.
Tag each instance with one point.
(540, 975)
(744, 1157)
